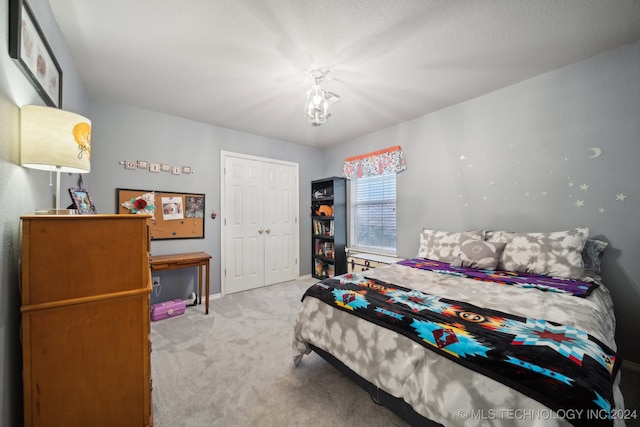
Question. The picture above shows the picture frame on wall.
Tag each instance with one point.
(82, 201)
(30, 50)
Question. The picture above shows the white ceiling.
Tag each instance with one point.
(244, 64)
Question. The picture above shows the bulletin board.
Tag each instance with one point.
(174, 215)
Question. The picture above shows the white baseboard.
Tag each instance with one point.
(306, 276)
(631, 365)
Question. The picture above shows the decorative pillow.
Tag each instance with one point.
(478, 254)
(592, 254)
(556, 254)
(443, 245)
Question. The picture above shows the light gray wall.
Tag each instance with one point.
(122, 133)
(520, 159)
(517, 142)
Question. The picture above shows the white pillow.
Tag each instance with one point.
(443, 245)
(557, 254)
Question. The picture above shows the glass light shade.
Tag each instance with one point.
(317, 107)
(54, 139)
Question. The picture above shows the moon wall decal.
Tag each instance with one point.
(596, 152)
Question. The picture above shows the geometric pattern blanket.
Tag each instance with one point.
(524, 280)
(562, 367)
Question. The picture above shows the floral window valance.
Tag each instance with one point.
(388, 160)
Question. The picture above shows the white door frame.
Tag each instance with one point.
(223, 214)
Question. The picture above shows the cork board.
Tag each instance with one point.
(174, 215)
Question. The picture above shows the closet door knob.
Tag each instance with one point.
(260, 230)
(268, 231)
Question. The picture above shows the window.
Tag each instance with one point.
(373, 213)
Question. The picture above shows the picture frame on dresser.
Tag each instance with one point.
(82, 201)
(30, 50)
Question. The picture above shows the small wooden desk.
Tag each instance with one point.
(192, 259)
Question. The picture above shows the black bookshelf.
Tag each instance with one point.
(328, 227)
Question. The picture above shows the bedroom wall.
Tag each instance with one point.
(551, 153)
(517, 143)
(122, 132)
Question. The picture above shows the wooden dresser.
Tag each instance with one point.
(85, 320)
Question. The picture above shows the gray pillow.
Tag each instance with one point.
(557, 254)
(478, 254)
(592, 254)
(443, 245)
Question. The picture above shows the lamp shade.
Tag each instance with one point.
(53, 138)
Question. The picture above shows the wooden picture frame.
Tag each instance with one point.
(176, 215)
(32, 53)
(82, 201)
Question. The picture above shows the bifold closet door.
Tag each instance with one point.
(259, 223)
(280, 223)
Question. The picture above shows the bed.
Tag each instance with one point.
(481, 328)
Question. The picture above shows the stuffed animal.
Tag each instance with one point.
(324, 210)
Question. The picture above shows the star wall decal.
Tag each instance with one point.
(580, 203)
(584, 187)
(621, 197)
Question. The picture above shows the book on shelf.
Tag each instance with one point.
(323, 269)
(319, 268)
(323, 227)
(324, 249)
(331, 270)
(327, 249)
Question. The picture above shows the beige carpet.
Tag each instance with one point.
(233, 367)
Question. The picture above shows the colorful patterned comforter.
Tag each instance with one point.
(429, 367)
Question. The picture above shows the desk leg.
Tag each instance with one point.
(207, 288)
(200, 283)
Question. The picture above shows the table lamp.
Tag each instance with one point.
(54, 139)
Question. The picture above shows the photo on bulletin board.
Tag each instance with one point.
(174, 215)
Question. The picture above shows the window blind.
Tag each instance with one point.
(373, 213)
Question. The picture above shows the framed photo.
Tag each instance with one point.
(32, 53)
(82, 201)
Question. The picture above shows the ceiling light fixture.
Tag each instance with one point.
(317, 106)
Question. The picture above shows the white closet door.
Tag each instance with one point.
(244, 242)
(260, 227)
(280, 223)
